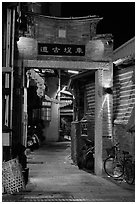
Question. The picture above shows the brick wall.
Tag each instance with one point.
(123, 107)
(67, 31)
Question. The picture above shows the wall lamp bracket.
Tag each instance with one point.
(108, 90)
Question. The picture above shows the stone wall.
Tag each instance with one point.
(70, 31)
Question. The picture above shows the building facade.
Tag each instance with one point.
(118, 116)
(46, 42)
(124, 96)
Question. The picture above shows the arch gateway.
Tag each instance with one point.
(70, 44)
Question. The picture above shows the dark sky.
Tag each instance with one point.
(118, 17)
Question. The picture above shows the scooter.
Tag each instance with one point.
(32, 138)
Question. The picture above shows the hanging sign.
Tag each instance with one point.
(61, 49)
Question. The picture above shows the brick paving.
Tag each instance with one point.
(54, 178)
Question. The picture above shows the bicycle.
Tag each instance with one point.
(117, 166)
(86, 155)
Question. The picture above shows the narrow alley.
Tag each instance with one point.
(54, 178)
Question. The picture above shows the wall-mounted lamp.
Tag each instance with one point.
(108, 90)
(109, 42)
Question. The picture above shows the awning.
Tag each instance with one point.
(62, 103)
(125, 61)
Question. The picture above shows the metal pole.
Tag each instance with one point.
(8, 38)
(59, 100)
(12, 67)
(8, 61)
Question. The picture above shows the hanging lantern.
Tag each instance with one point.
(46, 110)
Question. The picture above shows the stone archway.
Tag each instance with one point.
(98, 50)
(103, 78)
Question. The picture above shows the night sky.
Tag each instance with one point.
(118, 17)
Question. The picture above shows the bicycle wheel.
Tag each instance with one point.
(129, 172)
(113, 168)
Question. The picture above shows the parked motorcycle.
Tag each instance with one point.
(32, 138)
(86, 156)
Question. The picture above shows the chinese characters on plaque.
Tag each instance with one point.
(61, 49)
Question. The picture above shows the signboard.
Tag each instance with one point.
(46, 103)
(61, 49)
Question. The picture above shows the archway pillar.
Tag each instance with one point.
(103, 114)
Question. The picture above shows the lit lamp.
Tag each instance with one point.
(27, 47)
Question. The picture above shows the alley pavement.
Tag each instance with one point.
(53, 177)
